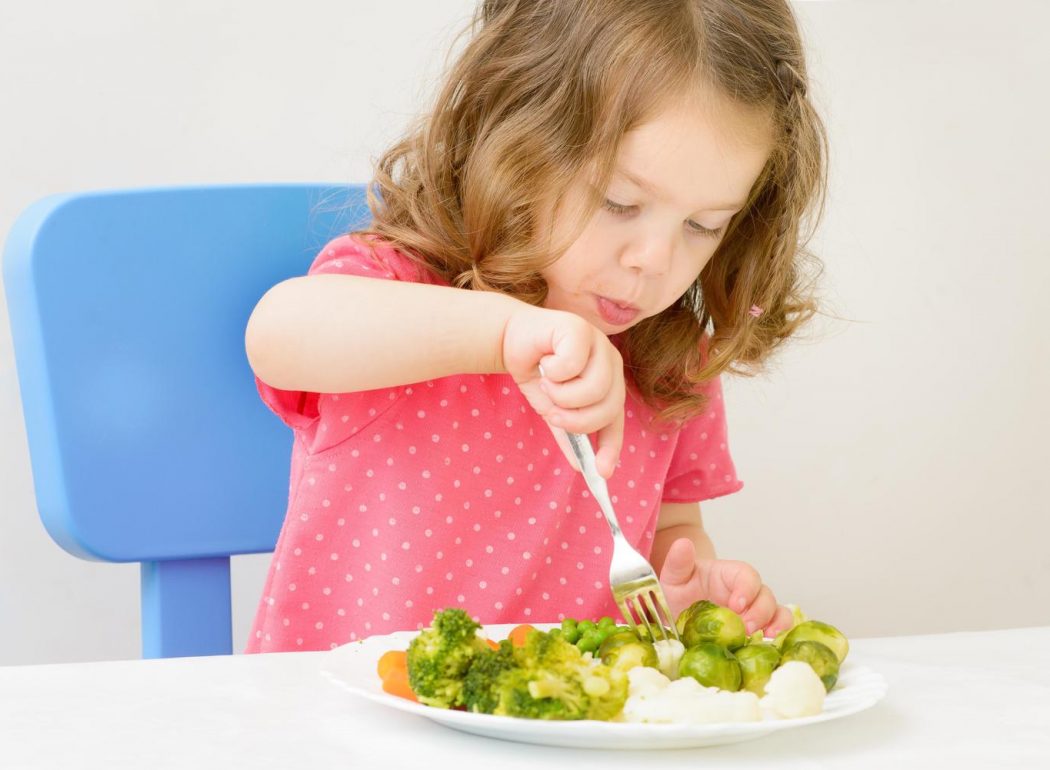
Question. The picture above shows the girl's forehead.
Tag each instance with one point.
(701, 155)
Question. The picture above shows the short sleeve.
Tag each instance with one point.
(324, 420)
(701, 467)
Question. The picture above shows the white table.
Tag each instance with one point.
(963, 700)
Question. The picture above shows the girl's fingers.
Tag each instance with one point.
(594, 384)
(579, 391)
(589, 419)
(556, 368)
(761, 611)
(610, 442)
(741, 583)
(563, 444)
(571, 352)
(679, 564)
(782, 621)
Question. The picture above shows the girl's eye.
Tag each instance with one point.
(618, 208)
(624, 209)
(705, 231)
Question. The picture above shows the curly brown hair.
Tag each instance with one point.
(542, 92)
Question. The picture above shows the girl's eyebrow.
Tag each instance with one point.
(648, 186)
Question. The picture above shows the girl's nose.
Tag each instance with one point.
(649, 254)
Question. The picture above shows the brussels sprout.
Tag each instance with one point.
(643, 633)
(797, 615)
(712, 665)
(624, 650)
(757, 662)
(705, 621)
(819, 657)
(815, 631)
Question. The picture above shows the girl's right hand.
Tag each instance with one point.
(583, 390)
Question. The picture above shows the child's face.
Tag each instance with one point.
(678, 181)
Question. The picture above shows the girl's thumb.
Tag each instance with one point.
(679, 562)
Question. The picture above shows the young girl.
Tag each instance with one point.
(610, 190)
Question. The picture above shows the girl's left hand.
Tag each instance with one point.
(732, 584)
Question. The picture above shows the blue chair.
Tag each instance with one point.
(147, 438)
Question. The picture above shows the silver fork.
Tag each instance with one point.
(634, 584)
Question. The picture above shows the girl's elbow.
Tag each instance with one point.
(262, 339)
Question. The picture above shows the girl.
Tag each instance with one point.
(609, 189)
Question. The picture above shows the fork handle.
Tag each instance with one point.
(581, 447)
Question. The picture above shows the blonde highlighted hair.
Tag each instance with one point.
(543, 92)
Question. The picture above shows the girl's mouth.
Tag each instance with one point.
(615, 313)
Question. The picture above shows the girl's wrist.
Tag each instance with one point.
(501, 308)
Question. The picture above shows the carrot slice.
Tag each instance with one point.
(492, 644)
(396, 683)
(519, 634)
(391, 660)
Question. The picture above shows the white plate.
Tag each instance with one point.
(353, 668)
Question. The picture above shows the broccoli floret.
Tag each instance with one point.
(438, 658)
(481, 685)
(553, 680)
(540, 695)
(547, 678)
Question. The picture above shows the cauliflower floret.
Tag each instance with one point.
(645, 682)
(794, 691)
(668, 653)
(654, 698)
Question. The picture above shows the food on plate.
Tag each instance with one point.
(656, 699)
(624, 651)
(643, 633)
(793, 691)
(545, 678)
(669, 652)
(598, 670)
(819, 657)
(439, 657)
(705, 621)
(393, 670)
(798, 617)
(757, 662)
(815, 631)
(712, 665)
(587, 635)
(519, 634)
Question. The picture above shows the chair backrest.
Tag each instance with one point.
(147, 438)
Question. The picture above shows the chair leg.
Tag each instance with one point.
(186, 608)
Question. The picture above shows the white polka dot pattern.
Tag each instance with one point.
(419, 497)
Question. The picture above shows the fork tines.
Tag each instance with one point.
(648, 607)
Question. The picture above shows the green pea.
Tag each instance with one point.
(605, 633)
(589, 642)
(570, 631)
(585, 626)
(606, 622)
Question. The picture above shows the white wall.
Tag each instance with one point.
(894, 462)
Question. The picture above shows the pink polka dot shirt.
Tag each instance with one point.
(453, 492)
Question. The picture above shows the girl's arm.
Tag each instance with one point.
(341, 333)
(678, 520)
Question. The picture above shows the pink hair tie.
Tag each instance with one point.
(755, 311)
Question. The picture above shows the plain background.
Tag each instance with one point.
(894, 460)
